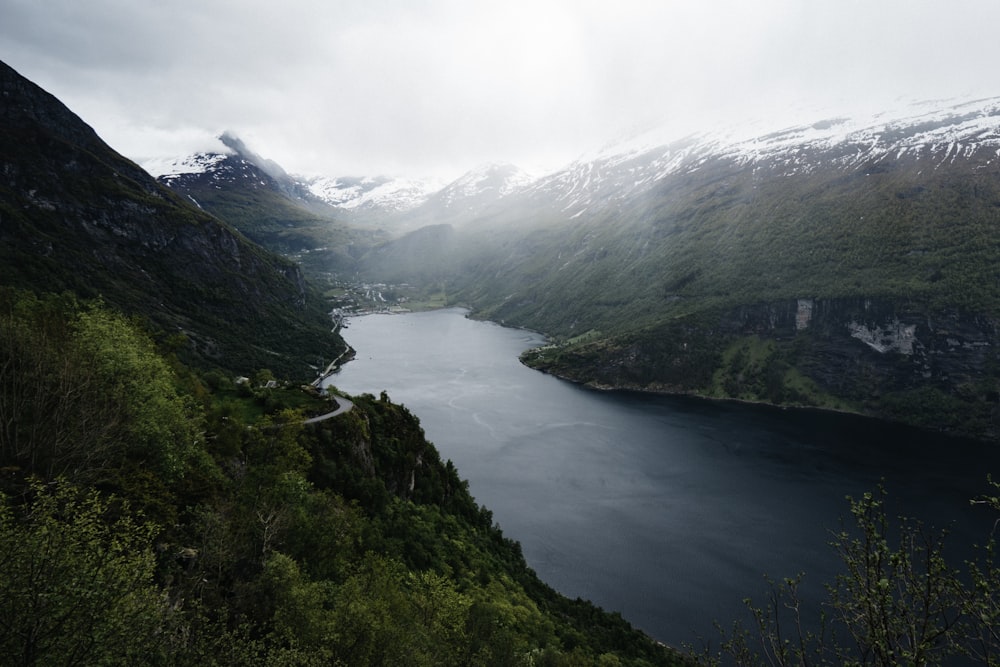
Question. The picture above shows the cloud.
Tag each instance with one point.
(442, 85)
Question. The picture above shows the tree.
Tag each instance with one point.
(76, 582)
(83, 390)
(159, 424)
(980, 630)
(897, 602)
(54, 418)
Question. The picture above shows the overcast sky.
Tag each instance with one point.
(435, 87)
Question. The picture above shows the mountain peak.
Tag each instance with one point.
(371, 193)
(239, 147)
(235, 144)
(496, 178)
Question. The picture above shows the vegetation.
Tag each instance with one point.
(153, 512)
(898, 602)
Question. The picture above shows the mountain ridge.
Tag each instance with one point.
(867, 136)
(398, 203)
(79, 217)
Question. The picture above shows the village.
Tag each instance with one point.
(350, 299)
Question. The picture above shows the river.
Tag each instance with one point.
(669, 510)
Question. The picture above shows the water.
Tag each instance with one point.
(668, 510)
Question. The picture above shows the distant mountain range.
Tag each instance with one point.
(849, 264)
(396, 203)
(621, 170)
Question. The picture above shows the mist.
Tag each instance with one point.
(435, 88)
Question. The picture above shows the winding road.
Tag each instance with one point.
(343, 405)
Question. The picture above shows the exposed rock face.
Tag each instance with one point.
(895, 337)
(803, 315)
(906, 344)
(888, 358)
(874, 356)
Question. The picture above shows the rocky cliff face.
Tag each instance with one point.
(876, 356)
(909, 347)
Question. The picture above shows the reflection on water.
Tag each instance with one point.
(669, 510)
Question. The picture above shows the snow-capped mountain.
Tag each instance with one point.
(400, 203)
(363, 198)
(233, 166)
(489, 181)
(472, 195)
(931, 132)
(379, 193)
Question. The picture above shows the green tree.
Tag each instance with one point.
(76, 582)
(81, 391)
(54, 417)
(897, 603)
(159, 424)
(979, 634)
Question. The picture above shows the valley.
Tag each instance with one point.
(848, 264)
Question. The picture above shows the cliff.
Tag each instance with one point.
(881, 357)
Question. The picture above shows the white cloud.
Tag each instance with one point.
(441, 85)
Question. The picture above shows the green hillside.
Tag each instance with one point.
(153, 513)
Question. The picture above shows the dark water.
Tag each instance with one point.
(668, 510)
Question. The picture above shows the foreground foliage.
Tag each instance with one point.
(897, 602)
(154, 514)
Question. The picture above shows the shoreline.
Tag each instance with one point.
(721, 400)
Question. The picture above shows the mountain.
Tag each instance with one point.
(76, 216)
(371, 195)
(364, 201)
(480, 187)
(849, 263)
(360, 201)
(469, 197)
(404, 201)
(327, 223)
(271, 207)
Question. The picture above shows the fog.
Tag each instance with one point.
(434, 88)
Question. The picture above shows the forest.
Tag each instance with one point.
(158, 513)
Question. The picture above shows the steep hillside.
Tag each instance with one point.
(182, 519)
(844, 264)
(76, 216)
